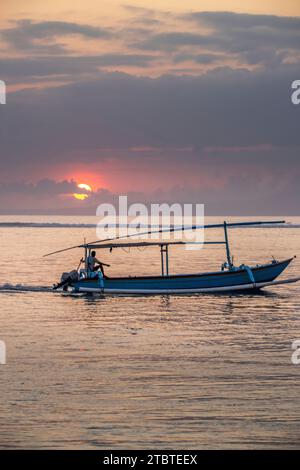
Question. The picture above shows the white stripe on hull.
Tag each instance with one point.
(258, 285)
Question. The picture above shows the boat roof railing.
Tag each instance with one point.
(99, 243)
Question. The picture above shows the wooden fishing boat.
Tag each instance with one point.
(228, 278)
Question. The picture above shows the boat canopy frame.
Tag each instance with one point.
(164, 249)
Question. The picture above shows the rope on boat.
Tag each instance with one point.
(249, 272)
(276, 242)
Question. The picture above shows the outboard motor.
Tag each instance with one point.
(66, 280)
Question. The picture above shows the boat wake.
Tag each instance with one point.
(23, 288)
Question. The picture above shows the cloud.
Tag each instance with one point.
(222, 108)
(171, 41)
(45, 187)
(141, 11)
(235, 196)
(230, 20)
(22, 70)
(198, 58)
(250, 39)
(205, 39)
(45, 196)
(27, 35)
(250, 35)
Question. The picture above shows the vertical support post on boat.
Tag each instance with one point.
(162, 260)
(85, 257)
(167, 260)
(227, 246)
(85, 261)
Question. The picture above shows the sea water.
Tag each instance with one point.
(162, 372)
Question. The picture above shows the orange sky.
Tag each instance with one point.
(93, 10)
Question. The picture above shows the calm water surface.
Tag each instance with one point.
(145, 372)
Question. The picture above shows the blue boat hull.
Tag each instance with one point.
(238, 279)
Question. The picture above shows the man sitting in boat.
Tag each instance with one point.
(93, 264)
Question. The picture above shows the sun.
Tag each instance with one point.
(80, 197)
(83, 196)
(85, 186)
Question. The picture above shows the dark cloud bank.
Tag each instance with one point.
(236, 124)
